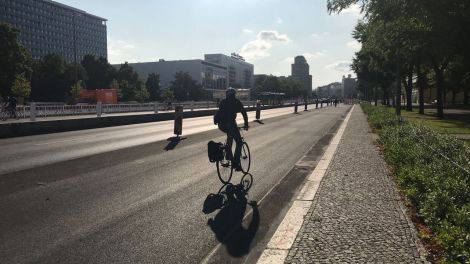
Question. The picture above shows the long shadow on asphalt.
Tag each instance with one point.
(173, 142)
(227, 224)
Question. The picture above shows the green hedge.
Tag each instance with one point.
(432, 170)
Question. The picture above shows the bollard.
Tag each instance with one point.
(316, 104)
(99, 108)
(258, 110)
(321, 104)
(305, 106)
(32, 112)
(295, 106)
(178, 120)
(155, 107)
(192, 105)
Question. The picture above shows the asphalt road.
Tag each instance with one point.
(127, 195)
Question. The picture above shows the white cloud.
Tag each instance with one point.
(316, 55)
(279, 20)
(272, 35)
(354, 10)
(354, 45)
(120, 51)
(259, 48)
(340, 66)
(307, 55)
(321, 35)
(288, 60)
(248, 31)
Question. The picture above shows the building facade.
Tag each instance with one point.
(209, 75)
(349, 86)
(240, 72)
(301, 72)
(332, 90)
(50, 27)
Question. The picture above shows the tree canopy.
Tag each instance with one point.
(14, 58)
(404, 39)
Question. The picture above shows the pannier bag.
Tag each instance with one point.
(215, 151)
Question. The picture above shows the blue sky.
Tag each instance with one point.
(269, 33)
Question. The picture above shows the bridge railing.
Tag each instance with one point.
(57, 110)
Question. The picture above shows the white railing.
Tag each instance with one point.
(57, 110)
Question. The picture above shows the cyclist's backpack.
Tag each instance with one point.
(215, 151)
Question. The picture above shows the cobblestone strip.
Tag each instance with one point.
(357, 215)
(282, 240)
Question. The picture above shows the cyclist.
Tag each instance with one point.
(11, 107)
(228, 109)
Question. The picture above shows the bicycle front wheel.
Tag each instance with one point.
(245, 158)
(224, 170)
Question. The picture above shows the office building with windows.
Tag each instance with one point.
(209, 75)
(301, 72)
(240, 72)
(349, 85)
(50, 27)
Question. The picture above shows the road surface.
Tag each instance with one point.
(128, 195)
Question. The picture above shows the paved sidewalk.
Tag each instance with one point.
(357, 215)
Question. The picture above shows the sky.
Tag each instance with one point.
(268, 33)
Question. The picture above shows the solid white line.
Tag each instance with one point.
(281, 242)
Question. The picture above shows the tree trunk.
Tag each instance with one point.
(421, 86)
(439, 71)
(375, 95)
(397, 100)
(409, 89)
(465, 95)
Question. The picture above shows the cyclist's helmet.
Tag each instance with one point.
(230, 92)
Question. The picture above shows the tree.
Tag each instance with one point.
(414, 36)
(14, 58)
(21, 86)
(167, 95)
(185, 88)
(153, 86)
(127, 92)
(141, 93)
(100, 72)
(73, 73)
(48, 80)
(75, 91)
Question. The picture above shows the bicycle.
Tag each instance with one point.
(9, 113)
(224, 166)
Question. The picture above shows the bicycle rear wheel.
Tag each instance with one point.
(4, 115)
(245, 158)
(224, 170)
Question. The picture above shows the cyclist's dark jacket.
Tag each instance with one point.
(12, 103)
(229, 108)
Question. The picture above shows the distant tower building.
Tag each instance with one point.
(349, 85)
(301, 72)
(47, 26)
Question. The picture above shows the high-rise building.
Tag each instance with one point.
(50, 27)
(349, 86)
(301, 72)
(240, 72)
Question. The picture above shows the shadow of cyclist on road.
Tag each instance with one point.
(228, 224)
